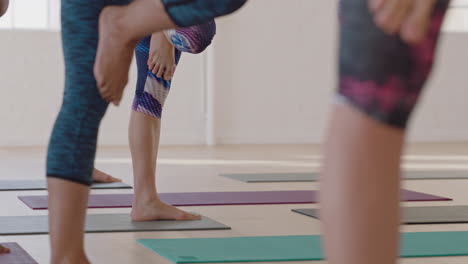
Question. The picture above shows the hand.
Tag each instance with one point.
(408, 18)
(161, 60)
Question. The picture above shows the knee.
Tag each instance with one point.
(189, 13)
(194, 39)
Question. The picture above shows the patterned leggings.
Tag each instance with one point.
(151, 91)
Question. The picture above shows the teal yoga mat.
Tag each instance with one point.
(292, 248)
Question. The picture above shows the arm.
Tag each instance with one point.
(3, 7)
(194, 39)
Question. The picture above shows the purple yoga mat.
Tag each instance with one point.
(17, 255)
(216, 198)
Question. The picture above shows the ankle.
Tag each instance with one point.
(142, 198)
(72, 258)
(115, 17)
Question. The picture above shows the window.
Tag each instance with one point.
(32, 14)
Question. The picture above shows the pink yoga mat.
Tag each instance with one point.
(215, 198)
(17, 255)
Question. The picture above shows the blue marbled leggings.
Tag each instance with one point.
(72, 145)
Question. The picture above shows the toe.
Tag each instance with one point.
(110, 179)
(189, 216)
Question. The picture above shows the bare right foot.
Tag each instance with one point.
(4, 250)
(158, 210)
(71, 259)
(114, 55)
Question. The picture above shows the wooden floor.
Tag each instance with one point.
(196, 169)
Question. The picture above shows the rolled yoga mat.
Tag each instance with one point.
(215, 198)
(17, 255)
(419, 215)
(293, 248)
(102, 223)
(314, 176)
(31, 185)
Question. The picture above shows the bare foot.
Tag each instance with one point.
(157, 210)
(4, 250)
(408, 18)
(114, 55)
(102, 177)
(70, 259)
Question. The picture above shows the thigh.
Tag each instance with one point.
(379, 73)
(186, 13)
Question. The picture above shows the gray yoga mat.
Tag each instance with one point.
(31, 185)
(314, 176)
(420, 215)
(102, 223)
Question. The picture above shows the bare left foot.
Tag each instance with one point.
(4, 250)
(114, 55)
(102, 177)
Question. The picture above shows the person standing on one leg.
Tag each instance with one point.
(387, 50)
(157, 56)
(72, 145)
(119, 32)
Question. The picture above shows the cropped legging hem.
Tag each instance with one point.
(74, 179)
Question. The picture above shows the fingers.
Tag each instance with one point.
(105, 93)
(104, 89)
(112, 93)
(416, 25)
(391, 14)
(408, 18)
(117, 97)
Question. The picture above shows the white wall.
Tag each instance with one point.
(273, 79)
(275, 66)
